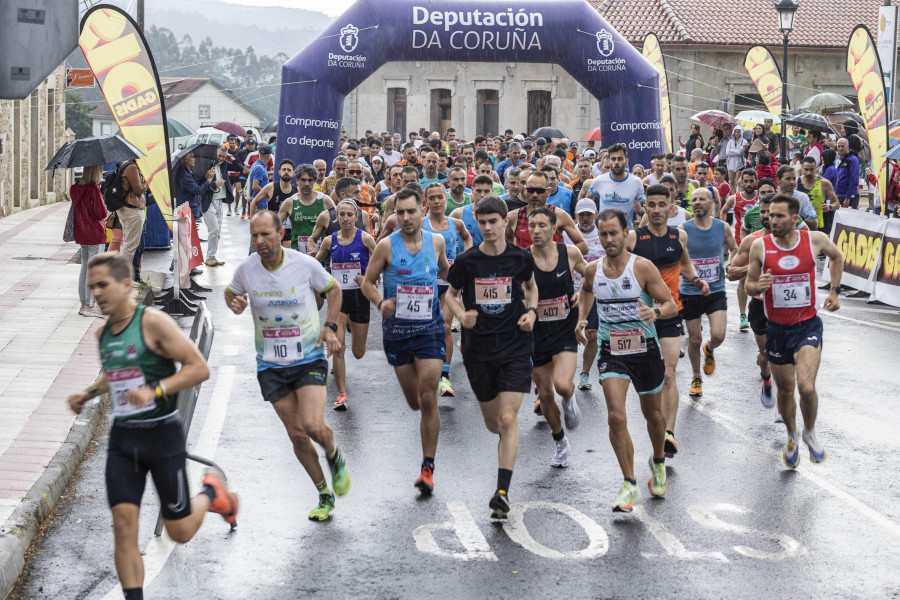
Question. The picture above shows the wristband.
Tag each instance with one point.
(835, 289)
(331, 325)
(380, 302)
(657, 312)
(92, 391)
(534, 308)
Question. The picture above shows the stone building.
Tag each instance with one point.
(31, 131)
(703, 41)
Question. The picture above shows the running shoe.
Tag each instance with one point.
(791, 454)
(499, 507)
(445, 388)
(709, 360)
(765, 394)
(584, 381)
(628, 493)
(323, 510)
(561, 458)
(657, 483)
(779, 418)
(229, 213)
(425, 482)
(816, 452)
(226, 503)
(243, 215)
(341, 402)
(340, 478)
(745, 324)
(537, 408)
(571, 412)
(681, 353)
(670, 448)
(696, 386)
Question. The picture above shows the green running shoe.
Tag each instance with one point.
(658, 484)
(628, 493)
(745, 324)
(340, 478)
(324, 508)
(584, 381)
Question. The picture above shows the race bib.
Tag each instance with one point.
(707, 268)
(627, 341)
(345, 273)
(282, 346)
(414, 302)
(441, 281)
(553, 309)
(493, 290)
(122, 381)
(791, 291)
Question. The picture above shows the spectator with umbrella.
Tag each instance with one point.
(211, 202)
(188, 188)
(89, 215)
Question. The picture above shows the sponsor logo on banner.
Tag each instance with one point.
(763, 70)
(317, 140)
(889, 270)
(349, 38)
(79, 78)
(606, 45)
(348, 41)
(860, 249)
(864, 69)
(477, 29)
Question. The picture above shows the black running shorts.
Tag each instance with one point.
(490, 377)
(276, 383)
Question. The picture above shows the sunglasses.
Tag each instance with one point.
(354, 172)
(536, 190)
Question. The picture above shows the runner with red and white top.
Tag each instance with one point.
(741, 201)
(783, 269)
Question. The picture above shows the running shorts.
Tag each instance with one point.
(490, 377)
(783, 341)
(756, 314)
(647, 371)
(276, 383)
(158, 448)
(545, 355)
(669, 328)
(356, 306)
(407, 350)
(694, 307)
(593, 322)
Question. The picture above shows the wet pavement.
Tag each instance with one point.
(735, 522)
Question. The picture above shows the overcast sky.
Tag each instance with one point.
(332, 7)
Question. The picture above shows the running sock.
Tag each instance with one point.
(210, 491)
(672, 433)
(767, 381)
(504, 477)
(333, 457)
(696, 373)
(322, 486)
(445, 370)
(558, 436)
(428, 461)
(659, 461)
(631, 481)
(134, 593)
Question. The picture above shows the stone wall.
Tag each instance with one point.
(23, 181)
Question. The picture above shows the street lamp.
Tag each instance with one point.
(786, 10)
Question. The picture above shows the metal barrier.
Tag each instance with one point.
(202, 332)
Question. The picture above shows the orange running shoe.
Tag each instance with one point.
(425, 482)
(341, 402)
(709, 360)
(226, 503)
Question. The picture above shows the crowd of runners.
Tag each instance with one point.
(509, 250)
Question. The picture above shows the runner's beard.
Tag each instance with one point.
(286, 178)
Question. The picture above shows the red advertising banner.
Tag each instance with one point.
(764, 72)
(79, 78)
(864, 69)
(189, 253)
(652, 52)
(120, 60)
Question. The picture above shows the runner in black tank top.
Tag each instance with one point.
(278, 197)
(555, 353)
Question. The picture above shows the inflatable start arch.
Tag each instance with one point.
(369, 34)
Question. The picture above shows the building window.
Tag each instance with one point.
(540, 109)
(396, 111)
(105, 128)
(34, 126)
(488, 112)
(441, 106)
(203, 111)
(749, 101)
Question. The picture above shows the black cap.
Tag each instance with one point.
(265, 149)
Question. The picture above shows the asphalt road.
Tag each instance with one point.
(735, 522)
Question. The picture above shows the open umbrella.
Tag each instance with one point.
(848, 114)
(593, 135)
(229, 127)
(893, 153)
(714, 118)
(749, 118)
(836, 120)
(271, 127)
(93, 151)
(548, 132)
(825, 101)
(894, 136)
(810, 122)
(178, 129)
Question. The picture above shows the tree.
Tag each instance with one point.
(77, 114)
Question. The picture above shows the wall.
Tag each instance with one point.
(222, 108)
(17, 157)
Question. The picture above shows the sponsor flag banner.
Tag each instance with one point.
(858, 236)
(764, 72)
(79, 78)
(887, 48)
(119, 58)
(864, 69)
(189, 253)
(887, 271)
(653, 53)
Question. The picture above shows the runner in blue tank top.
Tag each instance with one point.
(349, 249)
(707, 237)
(455, 235)
(412, 323)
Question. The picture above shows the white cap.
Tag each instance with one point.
(585, 205)
(589, 152)
(519, 138)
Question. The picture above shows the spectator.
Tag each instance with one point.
(695, 140)
(722, 153)
(132, 214)
(90, 229)
(734, 153)
(696, 157)
(847, 165)
(212, 202)
(712, 148)
(766, 165)
(188, 189)
(814, 148)
(796, 140)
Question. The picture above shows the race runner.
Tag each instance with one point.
(536, 191)
(304, 209)
(666, 248)
(555, 353)
(481, 188)
(618, 188)
(412, 322)
(624, 288)
(273, 195)
(139, 347)
(281, 285)
(349, 250)
(739, 203)
(783, 269)
(498, 311)
(706, 238)
(454, 233)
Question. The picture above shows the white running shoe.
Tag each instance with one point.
(571, 412)
(561, 458)
(766, 396)
(816, 452)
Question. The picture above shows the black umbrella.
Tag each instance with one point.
(205, 155)
(810, 122)
(93, 151)
(271, 127)
(548, 132)
(849, 115)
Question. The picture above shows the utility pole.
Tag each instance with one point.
(140, 14)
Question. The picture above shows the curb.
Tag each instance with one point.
(19, 530)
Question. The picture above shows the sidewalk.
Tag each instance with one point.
(47, 351)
